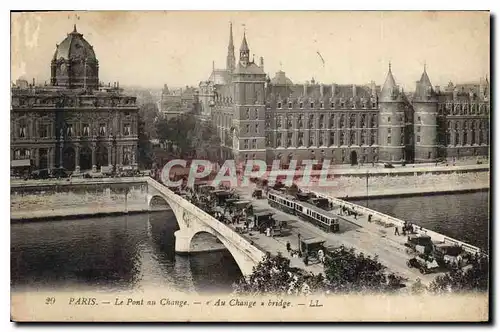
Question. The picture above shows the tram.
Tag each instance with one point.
(325, 220)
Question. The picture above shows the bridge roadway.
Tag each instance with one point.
(249, 249)
(368, 238)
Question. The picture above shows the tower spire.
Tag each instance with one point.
(230, 59)
(244, 51)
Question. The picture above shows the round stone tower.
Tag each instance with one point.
(391, 122)
(425, 105)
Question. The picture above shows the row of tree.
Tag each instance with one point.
(346, 271)
(183, 136)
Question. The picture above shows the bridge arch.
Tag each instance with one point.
(192, 220)
(157, 202)
(184, 239)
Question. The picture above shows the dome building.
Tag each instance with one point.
(75, 122)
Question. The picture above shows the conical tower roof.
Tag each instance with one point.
(390, 91)
(244, 44)
(424, 90)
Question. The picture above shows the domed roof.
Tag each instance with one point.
(74, 46)
(281, 79)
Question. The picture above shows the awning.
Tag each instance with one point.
(20, 163)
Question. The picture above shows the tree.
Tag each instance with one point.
(148, 114)
(472, 278)
(275, 276)
(346, 271)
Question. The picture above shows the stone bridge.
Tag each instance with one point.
(192, 220)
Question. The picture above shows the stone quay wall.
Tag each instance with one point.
(32, 200)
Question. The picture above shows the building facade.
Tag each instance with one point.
(179, 101)
(262, 118)
(74, 122)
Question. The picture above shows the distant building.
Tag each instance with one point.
(179, 101)
(267, 119)
(74, 122)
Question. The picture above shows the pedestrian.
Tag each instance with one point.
(396, 230)
(306, 260)
(288, 246)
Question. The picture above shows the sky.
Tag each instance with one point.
(149, 49)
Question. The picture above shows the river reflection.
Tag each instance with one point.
(112, 254)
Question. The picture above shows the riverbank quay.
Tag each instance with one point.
(52, 199)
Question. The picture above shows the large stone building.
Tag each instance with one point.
(262, 118)
(74, 122)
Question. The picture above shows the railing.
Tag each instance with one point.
(234, 238)
(436, 237)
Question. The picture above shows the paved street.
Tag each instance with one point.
(369, 238)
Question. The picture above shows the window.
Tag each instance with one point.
(353, 137)
(256, 113)
(321, 120)
(301, 139)
(126, 129)
(388, 139)
(22, 130)
(332, 138)
(247, 128)
(126, 114)
(342, 104)
(256, 128)
(278, 140)
(419, 119)
(418, 139)
(86, 129)
(322, 105)
(247, 114)
(254, 144)
(332, 104)
(321, 143)
(45, 131)
(289, 139)
(289, 105)
(374, 105)
(300, 125)
(279, 105)
(69, 130)
(246, 144)
(301, 105)
(311, 122)
(418, 129)
(312, 105)
(388, 119)
(102, 129)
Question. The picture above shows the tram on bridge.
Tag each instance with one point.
(321, 218)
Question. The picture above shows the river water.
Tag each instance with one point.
(122, 253)
(464, 216)
(137, 251)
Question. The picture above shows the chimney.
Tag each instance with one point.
(354, 90)
(334, 86)
(481, 87)
(118, 85)
(33, 81)
(262, 63)
(455, 93)
(321, 89)
(305, 88)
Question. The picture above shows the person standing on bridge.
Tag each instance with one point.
(396, 230)
(288, 246)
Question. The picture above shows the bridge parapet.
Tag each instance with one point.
(193, 220)
(436, 237)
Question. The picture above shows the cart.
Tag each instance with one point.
(310, 247)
